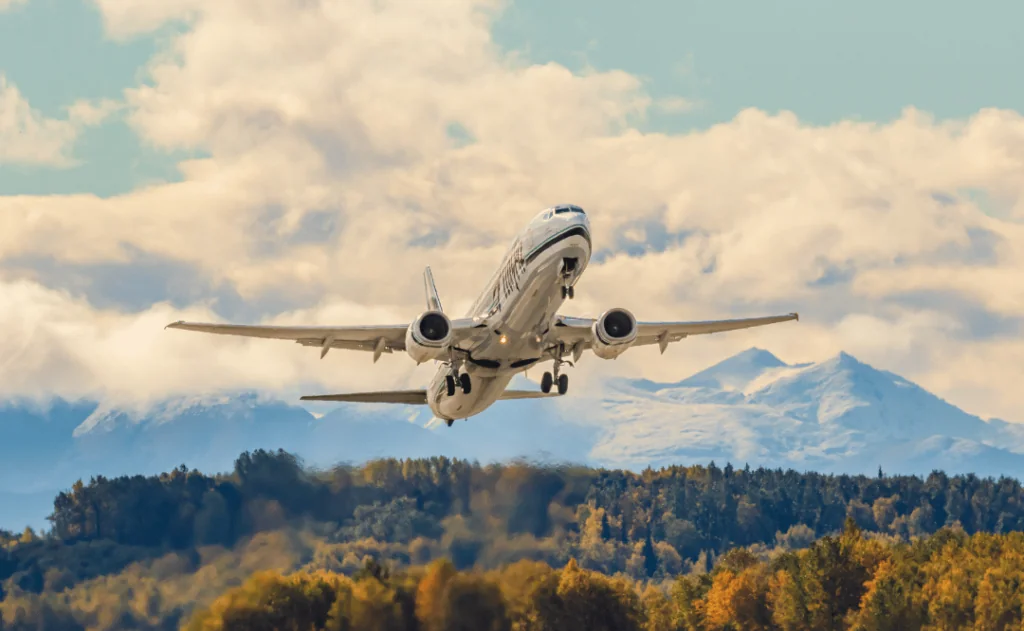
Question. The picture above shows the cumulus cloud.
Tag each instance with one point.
(333, 177)
(55, 342)
(28, 137)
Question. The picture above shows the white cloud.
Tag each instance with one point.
(91, 113)
(28, 137)
(87, 352)
(340, 110)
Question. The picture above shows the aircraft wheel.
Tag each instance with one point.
(571, 292)
(450, 382)
(563, 383)
(545, 383)
(449, 422)
(466, 383)
(565, 293)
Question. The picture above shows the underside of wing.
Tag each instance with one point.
(406, 397)
(300, 334)
(526, 394)
(649, 332)
(374, 338)
(578, 332)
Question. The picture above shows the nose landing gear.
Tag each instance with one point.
(568, 270)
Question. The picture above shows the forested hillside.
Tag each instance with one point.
(945, 581)
(143, 552)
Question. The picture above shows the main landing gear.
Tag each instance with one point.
(549, 380)
(463, 381)
(567, 292)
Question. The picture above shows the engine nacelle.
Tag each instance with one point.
(428, 337)
(614, 332)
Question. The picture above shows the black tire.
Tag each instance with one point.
(450, 382)
(563, 383)
(466, 383)
(449, 422)
(545, 383)
(565, 293)
(571, 292)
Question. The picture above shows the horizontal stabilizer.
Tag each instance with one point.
(415, 397)
(408, 397)
(526, 394)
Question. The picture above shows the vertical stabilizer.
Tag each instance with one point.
(433, 300)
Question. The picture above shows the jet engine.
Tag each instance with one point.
(428, 337)
(614, 332)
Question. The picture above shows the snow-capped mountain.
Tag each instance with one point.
(838, 415)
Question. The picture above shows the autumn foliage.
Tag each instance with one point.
(439, 544)
(843, 582)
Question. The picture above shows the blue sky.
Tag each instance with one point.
(825, 61)
(55, 52)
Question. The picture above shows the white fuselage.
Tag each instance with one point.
(518, 306)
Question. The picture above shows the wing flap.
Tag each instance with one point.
(406, 397)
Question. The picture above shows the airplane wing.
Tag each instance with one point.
(416, 397)
(378, 339)
(576, 332)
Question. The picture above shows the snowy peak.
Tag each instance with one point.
(730, 375)
(736, 372)
(853, 395)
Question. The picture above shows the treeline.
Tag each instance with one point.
(140, 552)
(846, 582)
(693, 509)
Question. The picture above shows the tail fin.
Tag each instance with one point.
(433, 301)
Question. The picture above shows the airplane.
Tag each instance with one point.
(513, 326)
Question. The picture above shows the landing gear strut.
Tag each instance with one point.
(550, 379)
(568, 269)
(464, 382)
(457, 378)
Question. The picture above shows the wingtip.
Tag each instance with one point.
(174, 325)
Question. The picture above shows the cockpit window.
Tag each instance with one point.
(558, 210)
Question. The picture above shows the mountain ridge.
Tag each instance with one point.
(839, 415)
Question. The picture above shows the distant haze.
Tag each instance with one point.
(836, 415)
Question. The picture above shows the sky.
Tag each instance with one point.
(301, 161)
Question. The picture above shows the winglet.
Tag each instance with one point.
(433, 300)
